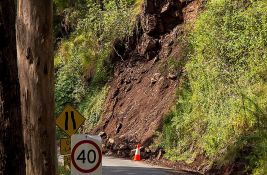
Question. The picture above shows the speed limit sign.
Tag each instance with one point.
(86, 155)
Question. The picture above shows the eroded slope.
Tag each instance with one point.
(146, 76)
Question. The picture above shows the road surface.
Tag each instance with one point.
(115, 166)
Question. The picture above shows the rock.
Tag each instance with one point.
(109, 153)
(123, 146)
(121, 136)
(104, 148)
(164, 85)
(102, 134)
(172, 76)
(159, 154)
(149, 23)
(111, 141)
(165, 8)
(153, 149)
(121, 153)
(145, 155)
(115, 93)
(118, 128)
(147, 150)
(147, 44)
(110, 144)
(170, 43)
(156, 59)
(128, 81)
(139, 80)
(128, 88)
(155, 78)
(144, 71)
(151, 54)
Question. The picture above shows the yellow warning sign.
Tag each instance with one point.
(70, 120)
(65, 147)
(67, 161)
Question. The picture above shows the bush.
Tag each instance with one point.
(63, 171)
(82, 60)
(222, 106)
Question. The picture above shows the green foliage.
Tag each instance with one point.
(173, 65)
(82, 60)
(69, 88)
(93, 106)
(62, 170)
(222, 106)
(115, 22)
(66, 16)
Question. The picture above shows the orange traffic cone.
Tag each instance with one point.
(137, 156)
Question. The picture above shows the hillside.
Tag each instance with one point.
(185, 78)
(143, 87)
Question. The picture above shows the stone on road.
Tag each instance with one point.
(115, 166)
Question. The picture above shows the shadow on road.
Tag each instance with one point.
(120, 170)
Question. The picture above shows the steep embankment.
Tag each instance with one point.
(146, 76)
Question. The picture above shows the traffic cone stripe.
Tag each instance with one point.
(137, 156)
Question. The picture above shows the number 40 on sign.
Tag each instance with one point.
(86, 155)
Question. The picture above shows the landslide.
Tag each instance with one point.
(143, 86)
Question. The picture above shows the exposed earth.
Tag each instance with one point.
(143, 87)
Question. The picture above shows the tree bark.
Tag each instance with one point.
(35, 63)
(12, 159)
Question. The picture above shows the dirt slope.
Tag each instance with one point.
(143, 86)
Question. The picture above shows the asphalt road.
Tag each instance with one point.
(115, 166)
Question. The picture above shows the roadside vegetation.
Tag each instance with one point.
(221, 108)
(85, 31)
(62, 170)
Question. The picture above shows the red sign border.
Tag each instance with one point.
(73, 160)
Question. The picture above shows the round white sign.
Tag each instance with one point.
(86, 156)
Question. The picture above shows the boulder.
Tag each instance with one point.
(148, 44)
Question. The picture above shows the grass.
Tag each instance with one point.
(221, 104)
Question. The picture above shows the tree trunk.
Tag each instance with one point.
(12, 159)
(35, 63)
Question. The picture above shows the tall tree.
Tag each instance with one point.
(12, 159)
(35, 63)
